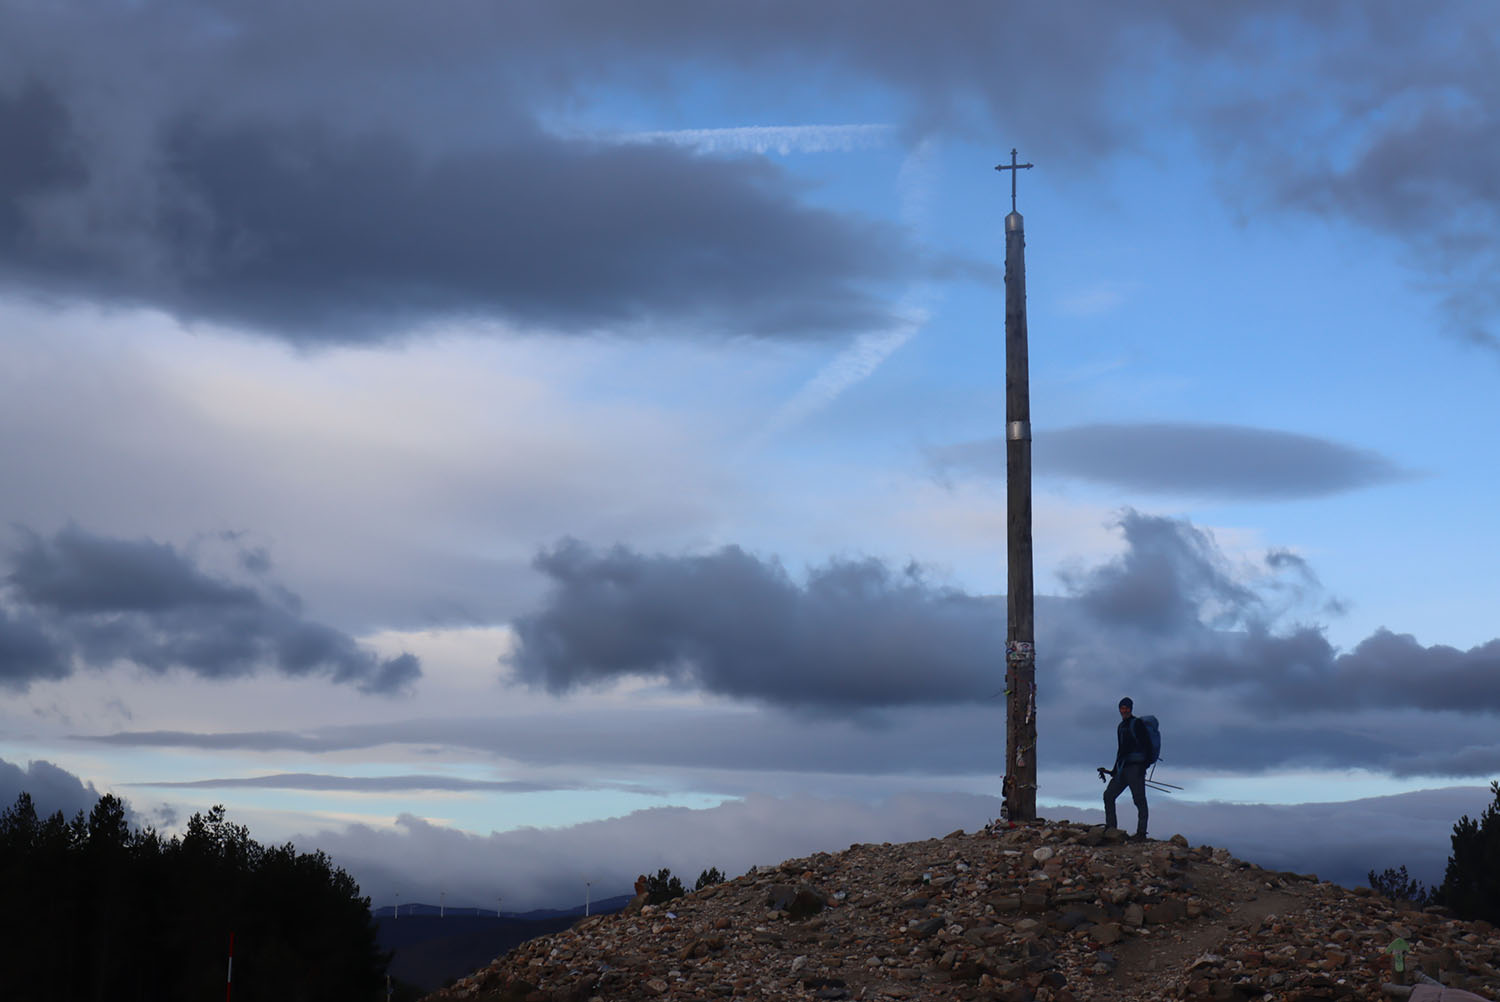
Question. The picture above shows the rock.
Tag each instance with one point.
(927, 928)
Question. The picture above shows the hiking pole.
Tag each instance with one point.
(1154, 784)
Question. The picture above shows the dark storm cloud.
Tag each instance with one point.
(194, 155)
(297, 229)
(98, 600)
(1206, 460)
(857, 635)
(316, 233)
(1301, 672)
(1218, 645)
(38, 158)
(1170, 577)
(52, 789)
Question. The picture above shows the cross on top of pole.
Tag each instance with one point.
(1014, 169)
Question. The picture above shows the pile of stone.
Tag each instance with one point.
(1046, 912)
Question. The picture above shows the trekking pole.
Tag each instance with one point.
(1152, 779)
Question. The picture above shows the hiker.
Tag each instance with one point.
(1131, 759)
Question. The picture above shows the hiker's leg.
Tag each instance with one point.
(1137, 775)
(1111, 792)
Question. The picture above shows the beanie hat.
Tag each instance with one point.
(1127, 701)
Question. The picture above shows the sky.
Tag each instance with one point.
(514, 447)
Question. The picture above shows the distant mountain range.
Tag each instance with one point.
(429, 951)
(419, 909)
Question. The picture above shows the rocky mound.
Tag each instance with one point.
(1049, 912)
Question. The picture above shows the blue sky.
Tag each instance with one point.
(442, 433)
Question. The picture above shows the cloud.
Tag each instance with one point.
(76, 595)
(1300, 672)
(535, 867)
(149, 172)
(52, 788)
(297, 229)
(362, 784)
(1217, 646)
(862, 670)
(780, 139)
(547, 867)
(1205, 460)
(373, 784)
(857, 635)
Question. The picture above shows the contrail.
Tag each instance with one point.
(856, 362)
(780, 139)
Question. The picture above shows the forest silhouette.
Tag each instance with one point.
(96, 909)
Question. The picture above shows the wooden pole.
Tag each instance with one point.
(1020, 634)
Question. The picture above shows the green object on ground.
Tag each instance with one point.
(1398, 950)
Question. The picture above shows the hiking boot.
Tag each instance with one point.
(1137, 837)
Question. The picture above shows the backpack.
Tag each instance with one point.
(1153, 731)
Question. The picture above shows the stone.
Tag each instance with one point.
(924, 929)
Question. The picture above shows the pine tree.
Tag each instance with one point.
(1471, 883)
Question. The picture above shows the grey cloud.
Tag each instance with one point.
(141, 84)
(1169, 579)
(34, 131)
(1204, 460)
(728, 742)
(103, 600)
(1340, 842)
(547, 867)
(1301, 672)
(360, 784)
(52, 788)
(297, 229)
(738, 752)
(1220, 649)
(257, 740)
(1337, 841)
(904, 679)
(857, 635)
(301, 230)
(28, 652)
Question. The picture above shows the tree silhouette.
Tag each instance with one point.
(663, 887)
(1398, 885)
(1471, 883)
(95, 910)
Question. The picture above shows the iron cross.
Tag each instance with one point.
(1014, 169)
